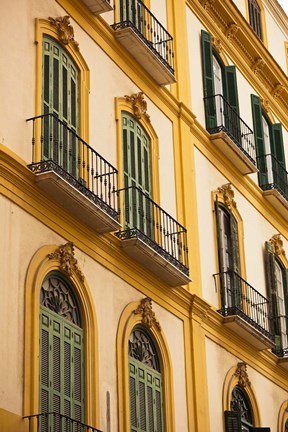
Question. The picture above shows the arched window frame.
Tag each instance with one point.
(283, 417)
(45, 27)
(125, 104)
(129, 319)
(46, 260)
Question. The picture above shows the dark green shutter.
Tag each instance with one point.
(232, 421)
(285, 290)
(208, 80)
(277, 147)
(259, 140)
(231, 91)
(220, 251)
(235, 275)
(263, 429)
(272, 292)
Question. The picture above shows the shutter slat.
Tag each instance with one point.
(232, 421)
(259, 139)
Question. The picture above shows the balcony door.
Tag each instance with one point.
(133, 11)
(137, 176)
(267, 146)
(218, 86)
(283, 314)
(60, 97)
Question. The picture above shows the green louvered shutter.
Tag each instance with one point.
(232, 421)
(220, 252)
(208, 80)
(231, 95)
(61, 367)
(236, 281)
(278, 164)
(259, 140)
(271, 280)
(146, 398)
(285, 289)
(60, 96)
(137, 173)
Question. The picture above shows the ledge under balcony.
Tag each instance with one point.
(74, 174)
(56, 422)
(230, 134)
(153, 238)
(274, 183)
(146, 40)
(244, 310)
(99, 6)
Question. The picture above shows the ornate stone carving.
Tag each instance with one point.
(265, 104)
(56, 296)
(228, 195)
(277, 90)
(148, 316)
(277, 244)
(217, 45)
(207, 3)
(68, 263)
(64, 29)
(139, 105)
(242, 375)
(230, 33)
(257, 65)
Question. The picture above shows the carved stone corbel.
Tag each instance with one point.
(148, 316)
(277, 90)
(257, 65)
(265, 104)
(242, 375)
(217, 44)
(139, 105)
(277, 244)
(68, 263)
(230, 33)
(228, 195)
(64, 29)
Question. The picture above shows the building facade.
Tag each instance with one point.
(144, 216)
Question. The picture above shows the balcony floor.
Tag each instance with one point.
(77, 199)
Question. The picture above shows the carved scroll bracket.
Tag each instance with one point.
(148, 316)
(139, 105)
(242, 375)
(230, 33)
(64, 29)
(277, 244)
(228, 195)
(68, 263)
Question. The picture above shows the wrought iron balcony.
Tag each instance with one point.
(99, 6)
(54, 422)
(244, 309)
(280, 327)
(153, 237)
(74, 174)
(146, 40)
(274, 182)
(230, 133)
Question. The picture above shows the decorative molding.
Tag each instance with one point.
(257, 65)
(277, 90)
(148, 316)
(139, 105)
(207, 3)
(228, 195)
(230, 33)
(242, 375)
(265, 104)
(217, 44)
(68, 263)
(277, 244)
(64, 29)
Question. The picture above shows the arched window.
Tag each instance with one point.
(60, 98)
(255, 17)
(61, 353)
(145, 383)
(240, 417)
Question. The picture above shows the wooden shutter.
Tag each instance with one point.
(61, 366)
(232, 421)
(208, 80)
(231, 91)
(235, 276)
(279, 167)
(259, 140)
(259, 429)
(271, 281)
(220, 251)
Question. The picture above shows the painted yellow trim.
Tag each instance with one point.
(286, 53)
(262, 18)
(44, 27)
(230, 382)
(122, 104)
(127, 322)
(283, 416)
(39, 266)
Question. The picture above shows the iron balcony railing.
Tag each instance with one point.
(238, 297)
(280, 326)
(273, 174)
(222, 117)
(55, 422)
(145, 219)
(134, 14)
(57, 147)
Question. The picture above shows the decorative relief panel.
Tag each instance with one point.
(68, 263)
(148, 316)
(64, 29)
(228, 195)
(242, 375)
(277, 244)
(139, 105)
